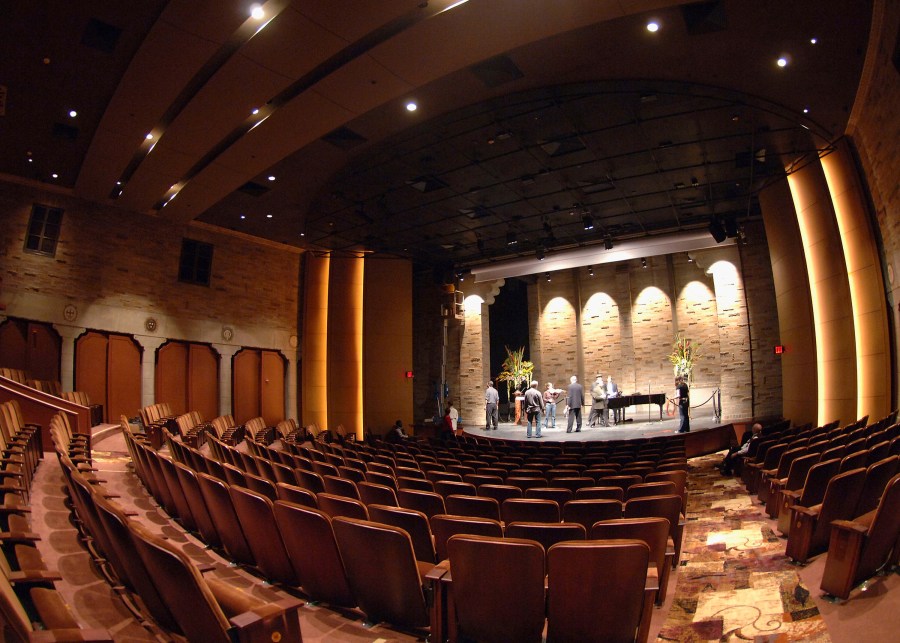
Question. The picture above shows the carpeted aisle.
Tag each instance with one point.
(734, 582)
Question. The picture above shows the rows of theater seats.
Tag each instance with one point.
(31, 609)
(834, 489)
(193, 429)
(165, 590)
(373, 527)
(54, 388)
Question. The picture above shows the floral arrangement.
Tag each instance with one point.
(515, 370)
(684, 357)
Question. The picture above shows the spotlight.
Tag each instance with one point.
(652, 27)
(717, 230)
(460, 275)
(643, 262)
(731, 228)
(511, 239)
(607, 243)
(539, 253)
(548, 277)
(588, 222)
(547, 229)
(590, 271)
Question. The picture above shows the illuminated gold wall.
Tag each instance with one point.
(315, 342)
(873, 360)
(387, 344)
(796, 330)
(345, 340)
(829, 293)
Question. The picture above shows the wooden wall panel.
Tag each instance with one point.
(123, 377)
(43, 352)
(171, 376)
(203, 381)
(245, 384)
(90, 369)
(13, 345)
(272, 387)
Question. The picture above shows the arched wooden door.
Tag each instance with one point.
(108, 369)
(33, 347)
(187, 377)
(258, 385)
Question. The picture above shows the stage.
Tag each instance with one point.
(706, 435)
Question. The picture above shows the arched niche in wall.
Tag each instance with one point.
(108, 369)
(652, 328)
(30, 346)
(257, 385)
(601, 335)
(187, 377)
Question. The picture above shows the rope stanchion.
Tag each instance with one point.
(716, 399)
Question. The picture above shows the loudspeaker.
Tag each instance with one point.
(717, 230)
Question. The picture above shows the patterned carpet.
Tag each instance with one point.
(734, 582)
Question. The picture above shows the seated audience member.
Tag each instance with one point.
(447, 428)
(735, 454)
(396, 434)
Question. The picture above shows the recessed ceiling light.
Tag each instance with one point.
(806, 110)
(411, 106)
(268, 216)
(255, 111)
(149, 136)
(652, 26)
(73, 113)
(302, 234)
(271, 177)
(813, 41)
(782, 62)
(55, 175)
(257, 13)
(30, 160)
(243, 216)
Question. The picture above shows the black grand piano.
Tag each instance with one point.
(624, 401)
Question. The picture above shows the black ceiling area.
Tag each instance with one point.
(541, 125)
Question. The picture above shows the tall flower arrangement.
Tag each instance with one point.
(516, 369)
(684, 357)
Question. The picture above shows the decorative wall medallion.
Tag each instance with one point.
(227, 334)
(70, 313)
(292, 341)
(150, 325)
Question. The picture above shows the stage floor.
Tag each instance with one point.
(627, 431)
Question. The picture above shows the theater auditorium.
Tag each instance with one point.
(260, 261)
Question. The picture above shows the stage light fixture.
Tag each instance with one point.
(539, 253)
(547, 229)
(548, 277)
(461, 275)
(590, 271)
(607, 243)
(588, 222)
(643, 262)
(511, 239)
(731, 228)
(717, 230)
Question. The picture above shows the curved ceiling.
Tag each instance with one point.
(533, 114)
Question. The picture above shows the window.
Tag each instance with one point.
(43, 230)
(195, 266)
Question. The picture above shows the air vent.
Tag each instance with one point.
(101, 36)
(563, 146)
(497, 71)
(253, 188)
(61, 130)
(344, 138)
(704, 17)
(478, 212)
(426, 184)
(594, 187)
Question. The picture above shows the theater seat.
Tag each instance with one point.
(257, 517)
(309, 541)
(654, 532)
(597, 591)
(860, 548)
(587, 512)
(199, 604)
(497, 588)
(445, 526)
(387, 587)
(415, 523)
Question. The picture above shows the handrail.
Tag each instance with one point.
(38, 407)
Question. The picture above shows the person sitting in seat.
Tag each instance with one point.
(736, 454)
(396, 434)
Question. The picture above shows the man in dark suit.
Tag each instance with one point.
(684, 404)
(574, 402)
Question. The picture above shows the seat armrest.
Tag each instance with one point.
(269, 622)
(849, 525)
(93, 635)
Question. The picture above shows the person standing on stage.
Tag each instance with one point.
(491, 409)
(550, 397)
(534, 406)
(454, 415)
(612, 390)
(574, 403)
(684, 404)
(598, 405)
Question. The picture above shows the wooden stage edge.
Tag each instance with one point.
(706, 435)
